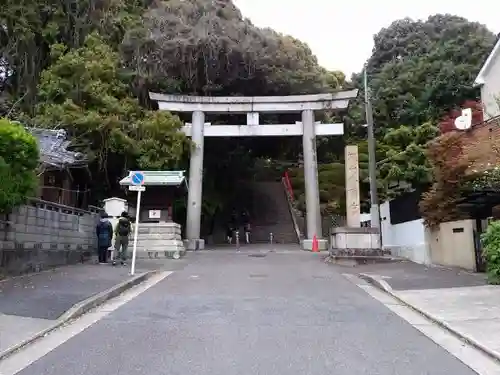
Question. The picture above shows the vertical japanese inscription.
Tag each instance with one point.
(352, 186)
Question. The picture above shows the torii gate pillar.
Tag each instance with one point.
(313, 214)
(307, 128)
(195, 198)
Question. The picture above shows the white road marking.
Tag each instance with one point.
(25, 357)
(470, 356)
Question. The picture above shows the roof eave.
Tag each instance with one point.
(480, 79)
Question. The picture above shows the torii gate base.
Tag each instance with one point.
(307, 128)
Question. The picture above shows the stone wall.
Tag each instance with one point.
(42, 235)
(481, 143)
(158, 240)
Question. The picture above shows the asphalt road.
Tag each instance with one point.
(231, 314)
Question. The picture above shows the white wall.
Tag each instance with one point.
(490, 90)
(406, 240)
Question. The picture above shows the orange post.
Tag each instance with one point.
(315, 248)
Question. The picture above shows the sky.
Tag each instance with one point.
(340, 33)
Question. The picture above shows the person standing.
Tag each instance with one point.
(233, 225)
(245, 221)
(122, 235)
(104, 232)
(229, 232)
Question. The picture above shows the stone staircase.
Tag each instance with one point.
(270, 213)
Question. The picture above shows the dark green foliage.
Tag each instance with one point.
(420, 70)
(88, 66)
(82, 92)
(491, 244)
(18, 164)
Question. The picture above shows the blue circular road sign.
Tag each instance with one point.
(137, 178)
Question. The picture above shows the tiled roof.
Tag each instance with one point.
(53, 148)
(158, 178)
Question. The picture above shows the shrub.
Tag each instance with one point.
(19, 158)
(491, 245)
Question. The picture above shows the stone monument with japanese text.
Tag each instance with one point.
(353, 240)
(352, 186)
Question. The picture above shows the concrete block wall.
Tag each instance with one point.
(43, 235)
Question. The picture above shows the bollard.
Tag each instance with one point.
(237, 240)
(271, 238)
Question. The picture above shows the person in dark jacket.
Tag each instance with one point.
(229, 232)
(122, 234)
(104, 232)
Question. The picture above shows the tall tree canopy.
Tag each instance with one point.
(208, 48)
(82, 92)
(88, 66)
(30, 27)
(420, 70)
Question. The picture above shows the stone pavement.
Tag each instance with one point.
(282, 312)
(406, 275)
(459, 300)
(32, 303)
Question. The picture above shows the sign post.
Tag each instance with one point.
(137, 180)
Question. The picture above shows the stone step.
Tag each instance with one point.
(269, 213)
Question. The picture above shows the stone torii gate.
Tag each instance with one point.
(252, 106)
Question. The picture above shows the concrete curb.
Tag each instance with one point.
(385, 287)
(79, 309)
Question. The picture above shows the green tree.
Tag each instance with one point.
(200, 47)
(18, 164)
(182, 47)
(405, 164)
(84, 93)
(420, 70)
(491, 244)
(208, 48)
(29, 28)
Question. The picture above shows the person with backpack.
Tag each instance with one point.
(122, 234)
(104, 232)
